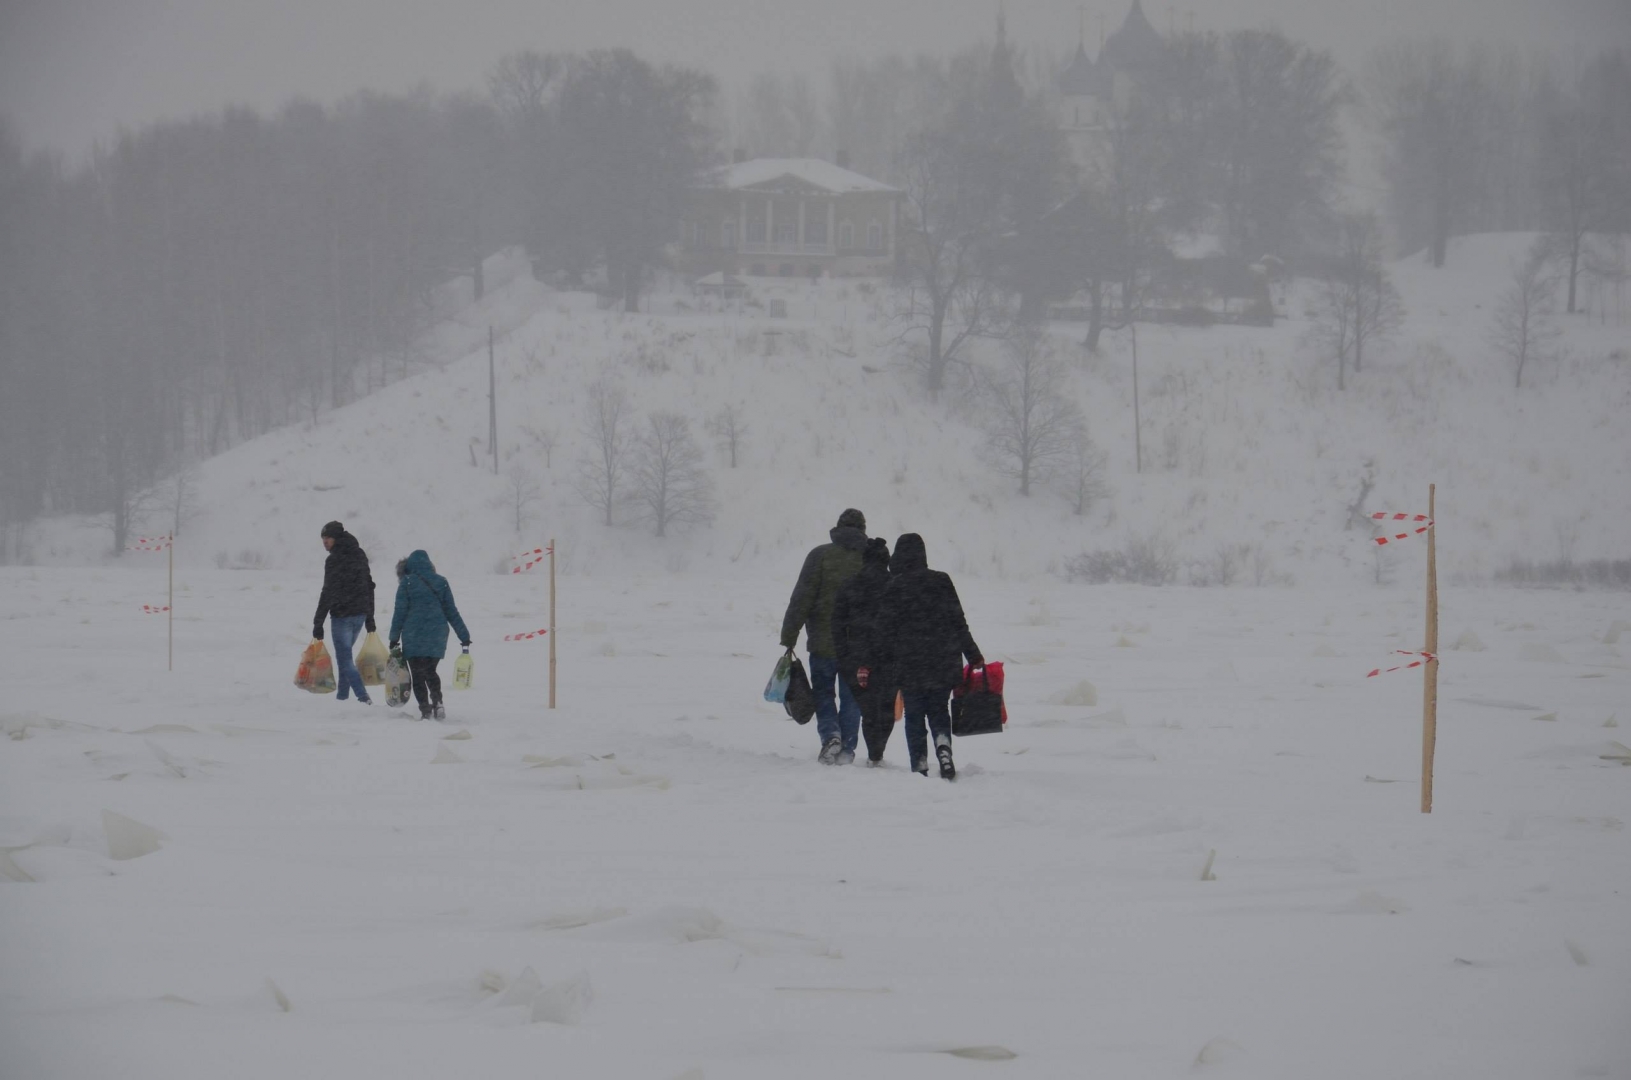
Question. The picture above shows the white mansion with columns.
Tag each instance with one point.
(789, 217)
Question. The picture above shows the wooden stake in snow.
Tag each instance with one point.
(1429, 674)
(492, 399)
(552, 622)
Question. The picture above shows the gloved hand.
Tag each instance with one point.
(976, 661)
(861, 676)
(369, 625)
(317, 632)
(466, 645)
(396, 648)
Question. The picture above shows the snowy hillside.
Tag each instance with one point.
(1246, 442)
(1196, 850)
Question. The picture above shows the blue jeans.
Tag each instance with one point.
(346, 629)
(843, 721)
(932, 706)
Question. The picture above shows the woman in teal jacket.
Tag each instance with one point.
(424, 611)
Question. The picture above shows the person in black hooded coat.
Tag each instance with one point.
(926, 641)
(858, 640)
(347, 597)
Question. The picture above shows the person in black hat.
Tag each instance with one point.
(810, 608)
(348, 599)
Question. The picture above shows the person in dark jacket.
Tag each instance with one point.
(859, 644)
(424, 611)
(825, 570)
(347, 599)
(926, 641)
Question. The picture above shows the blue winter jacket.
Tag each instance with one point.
(424, 610)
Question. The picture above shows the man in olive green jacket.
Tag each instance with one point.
(825, 570)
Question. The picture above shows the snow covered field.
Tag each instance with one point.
(695, 897)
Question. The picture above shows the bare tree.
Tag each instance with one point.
(1034, 423)
(1522, 329)
(544, 439)
(729, 426)
(520, 84)
(524, 493)
(945, 244)
(1431, 107)
(602, 471)
(1081, 478)
(1356, 305)
(669, 480)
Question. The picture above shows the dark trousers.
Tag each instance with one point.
(925, 706)
(427, 685)
(877, 718)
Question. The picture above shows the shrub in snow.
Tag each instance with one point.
(1141, 560)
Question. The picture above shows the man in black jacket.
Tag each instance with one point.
(347, 597)
(925, 639)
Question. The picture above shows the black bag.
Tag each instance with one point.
(976, 708)
(800, 700)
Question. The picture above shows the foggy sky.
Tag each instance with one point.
(73, 71)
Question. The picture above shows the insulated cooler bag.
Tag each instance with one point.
(976, 704)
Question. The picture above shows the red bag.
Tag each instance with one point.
(977, 707)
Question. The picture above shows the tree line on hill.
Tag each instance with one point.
(196, 283)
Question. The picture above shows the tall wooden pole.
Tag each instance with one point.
(170, 610)
(1429, 708)
(552, 622)
(1138, 434)
(492, 403)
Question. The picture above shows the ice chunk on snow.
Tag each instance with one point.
(563, 1002)
(1550, 717)
(277, 996)
(1220, 1051)
(445, 756)
(522, 990)
(457, 736)
(1122, 642)
(679, 924)
(1540, 652)
(1206, 871)
(571, 920)
(9, 870)
(1576, 953)
(1468, 642)
(491, 982)
(983, 1053)
(1083, 694)
(128, 839)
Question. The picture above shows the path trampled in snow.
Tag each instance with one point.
(658, 880)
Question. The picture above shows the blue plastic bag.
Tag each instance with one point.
(776, 688)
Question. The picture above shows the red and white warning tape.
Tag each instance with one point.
(149, 543)
(149, 609)
(1425, 657)
(530, 559)
(525, 637)
(1382, 515)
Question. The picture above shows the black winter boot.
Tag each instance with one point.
(942, 750)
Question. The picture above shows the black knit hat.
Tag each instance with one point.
(333, 529)
(852, 518)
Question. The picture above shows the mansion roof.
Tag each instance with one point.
(792, 176)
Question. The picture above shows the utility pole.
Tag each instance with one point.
(1138, 432)
(492, 403)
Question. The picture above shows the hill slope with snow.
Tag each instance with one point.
(1246, 442)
